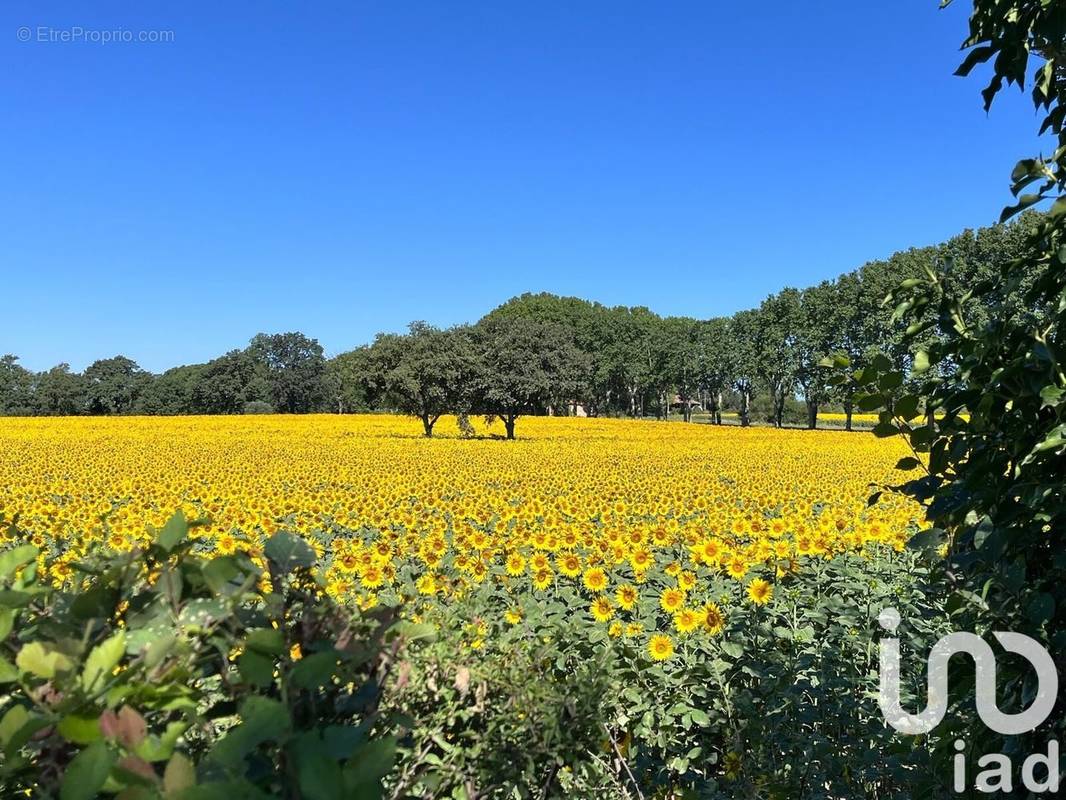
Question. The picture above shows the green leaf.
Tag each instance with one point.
(314, 670)
(262, 720)
(925, 540)
(173, 533)
(202, 611)
(1041, 608)
(80, 730)
(413, 631)
(219, 573)
(890, 381)
(288, 551)
(906, 406)
(320, 777)
(869, 402)
(884, 430)
(700, 717)
(256, 668)
(8, 673)
(12, 721)
(11, 560)
(86, 774)
(102, 661)
(367, 766)
(266, 640)
(921, 362)
(907, 463)
(733, 649)
(7, 622)
(42, 662)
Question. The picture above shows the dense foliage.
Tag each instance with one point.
(983, 405)
(163, 673)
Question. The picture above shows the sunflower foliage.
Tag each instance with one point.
(983, 406)
(159, 673)
(768, 699)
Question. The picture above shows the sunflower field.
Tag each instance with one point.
(602, 608)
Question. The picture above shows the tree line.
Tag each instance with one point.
(541, 354)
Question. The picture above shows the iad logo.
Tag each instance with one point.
(998, 777)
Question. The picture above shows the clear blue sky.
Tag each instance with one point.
(344, 168)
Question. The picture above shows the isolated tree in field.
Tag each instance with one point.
(16, 387)
(432, 373)
(59, 392)
(775, 342)
(742, 333)
(112, 385)
(524, 366)
(294, 368)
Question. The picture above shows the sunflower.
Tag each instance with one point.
(737, 567)
(516, 565)
(671, 600)
(595, 579)
(542, 579)
(660, 647)
(713, 619)
(512, 616)
(626, 596)
(760, 592)
(686, 620)
(569, 565)
(601, 609)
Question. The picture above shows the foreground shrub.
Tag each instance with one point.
(779, 702)
(165, 674)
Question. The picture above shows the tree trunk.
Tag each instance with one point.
(508, 424)
(779, 408)
(745, 408)
(812, 415)
(427, 423)
(849, 408)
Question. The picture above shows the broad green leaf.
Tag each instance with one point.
(102, 661)
(266, 640)
(256, 668)
(733, 649)
(314, 670)
(7, 622)
(173, 533)
(288, 551)
(86, 774)
(921, 362)
(42, 662)
(12, 721)
(262, 720)
(11, 560)
(924, 540)
(8, 672)
(367, 766)
(79, 730)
